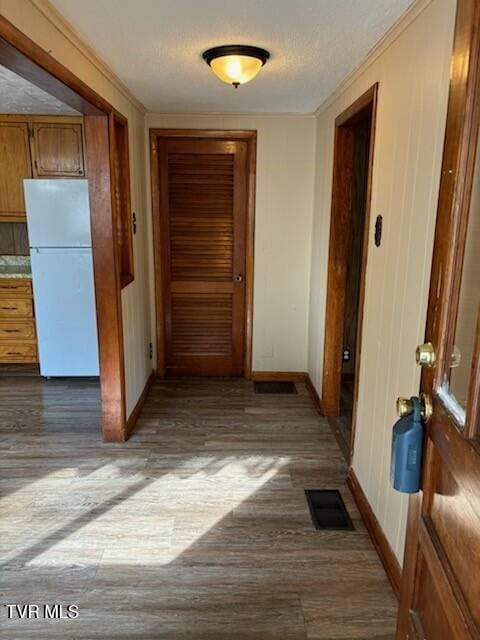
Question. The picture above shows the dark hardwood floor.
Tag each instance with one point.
(197, 528)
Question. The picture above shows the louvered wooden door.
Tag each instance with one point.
(203, 200)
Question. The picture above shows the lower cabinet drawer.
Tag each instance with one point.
(16, 330)
(16, 308)
(12, 352)
(15, 286)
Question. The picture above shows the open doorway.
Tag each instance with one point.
(352, 173)
(86, 144)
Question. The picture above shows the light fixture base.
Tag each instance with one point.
(236, 50)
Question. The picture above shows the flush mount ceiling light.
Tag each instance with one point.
(236, 63)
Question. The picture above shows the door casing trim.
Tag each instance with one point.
(250, 137)
(334, 311)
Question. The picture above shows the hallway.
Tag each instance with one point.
(196, 528)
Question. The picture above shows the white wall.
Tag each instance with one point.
(43, 25)
(283, 218)
(413, 77)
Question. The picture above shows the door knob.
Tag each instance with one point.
(425, 355)
(238, 277)
(405, 407)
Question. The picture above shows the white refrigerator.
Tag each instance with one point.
(58, 219)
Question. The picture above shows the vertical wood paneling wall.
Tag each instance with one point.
(413, 77)
(283, 219)
(40, 23)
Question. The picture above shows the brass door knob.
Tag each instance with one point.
(425, 355)
(426, 406)
(405, 407)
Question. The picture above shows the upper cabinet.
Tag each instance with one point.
(36, 147)
(15, 165)
(57, 150)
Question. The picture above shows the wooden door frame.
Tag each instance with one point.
(456, 182)
(337, 263)
(27, 59)
(250, 137)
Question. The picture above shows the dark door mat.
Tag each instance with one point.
(328, 510)
(275, 387)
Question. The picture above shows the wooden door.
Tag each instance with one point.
(440, 597)
(57, 150)
(15, 165)
(203, 202)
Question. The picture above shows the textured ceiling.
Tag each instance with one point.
(19, 96)
(155, 47)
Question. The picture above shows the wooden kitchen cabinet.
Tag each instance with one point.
(36, 147)
(18, 341)
(17, 329)
(15, 165)
(57, 150)
(15, 308)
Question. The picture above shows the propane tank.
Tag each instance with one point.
(407, 449)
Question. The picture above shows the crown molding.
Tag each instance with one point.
(405, 20)
(228, 114)
(67, 30)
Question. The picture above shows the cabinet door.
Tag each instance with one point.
(58, 150)
(15, 165)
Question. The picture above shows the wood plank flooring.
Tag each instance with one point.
(197, 528)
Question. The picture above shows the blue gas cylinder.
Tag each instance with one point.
(407, 449)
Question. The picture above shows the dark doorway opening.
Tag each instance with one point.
(353, 155)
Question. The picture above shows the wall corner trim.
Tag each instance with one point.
(137, 410)
(380, 542)
(411, 14)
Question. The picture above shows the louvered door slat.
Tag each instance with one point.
(203, 197)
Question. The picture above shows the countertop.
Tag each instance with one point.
(15, 267)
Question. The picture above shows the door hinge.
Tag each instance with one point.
(150, 350)
(134, 222)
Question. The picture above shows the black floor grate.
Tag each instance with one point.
(328, 510)
(275, 387)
